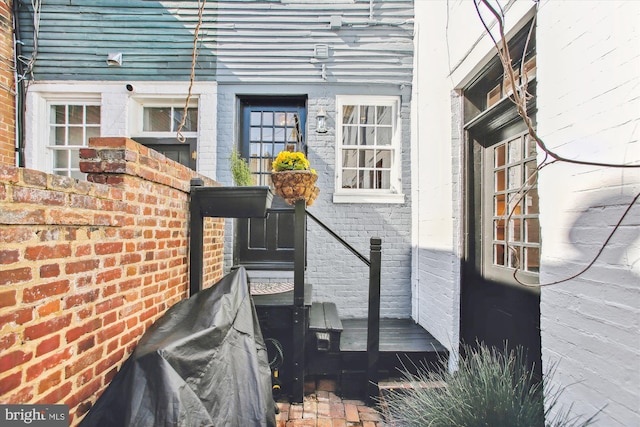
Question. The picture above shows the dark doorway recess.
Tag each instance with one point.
(267, 126)
(501, 225)
(181, 152)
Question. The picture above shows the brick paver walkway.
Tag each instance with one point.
(323, 408)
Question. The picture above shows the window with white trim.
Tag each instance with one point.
(156, 122)
(168, 119)
(368, 150)
(70, 127)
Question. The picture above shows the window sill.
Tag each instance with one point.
(368, 198)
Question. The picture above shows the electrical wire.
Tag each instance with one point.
(519, 97)
(194, 57)
(28, 62)
(595, 258)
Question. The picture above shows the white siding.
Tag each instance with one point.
(270, 41)
(589, 109)
(239, 41)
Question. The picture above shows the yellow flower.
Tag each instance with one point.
(288, 160)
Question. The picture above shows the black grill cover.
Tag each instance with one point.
(204, 363)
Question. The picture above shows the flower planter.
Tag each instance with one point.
(233, 202)
(296, 185)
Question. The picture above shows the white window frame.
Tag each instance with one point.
(38, 155)
(51, 149)
(394, 193)
(137, 122)
(119, 116)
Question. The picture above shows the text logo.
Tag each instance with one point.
(34, 415)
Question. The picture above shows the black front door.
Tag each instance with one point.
(181, 152)
(268, 126)
(502, 232)
(503, 235)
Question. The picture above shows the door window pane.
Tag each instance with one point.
(516, 246)
(499, 181)
(279, 135)
(498, 155)
(269, 133)
(514, 178)
(531, 202)
(255, 118)
(498, 254)
(532, 259)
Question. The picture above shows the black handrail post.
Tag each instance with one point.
(299, 317)
(373, 324)
(299, 257)
(195, 239)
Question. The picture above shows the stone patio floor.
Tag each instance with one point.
(323, 408)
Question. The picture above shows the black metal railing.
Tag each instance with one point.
(373, 319)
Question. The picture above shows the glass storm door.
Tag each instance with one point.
(267, 127)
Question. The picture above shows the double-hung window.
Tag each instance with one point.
(368, 150)
(70, 127)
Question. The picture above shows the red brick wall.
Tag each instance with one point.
(87, 267)
(7, 99)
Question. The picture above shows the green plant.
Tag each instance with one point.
(491, 388)
(240, 170)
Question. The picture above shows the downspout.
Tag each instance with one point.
(19, 84)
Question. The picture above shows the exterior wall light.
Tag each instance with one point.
(321, 121)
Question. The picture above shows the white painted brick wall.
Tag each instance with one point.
(588, 109)
(588, 56)
(335, 273)
(435, 240)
